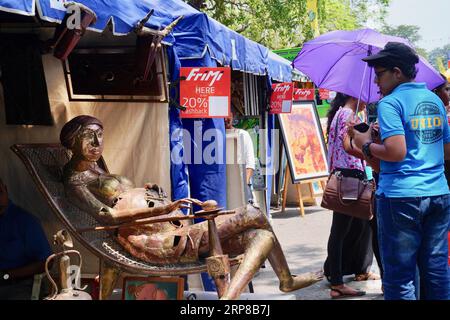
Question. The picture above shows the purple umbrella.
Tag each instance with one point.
(333, 61)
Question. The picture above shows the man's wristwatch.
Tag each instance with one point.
(366, 149)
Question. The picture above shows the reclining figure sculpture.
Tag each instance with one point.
(112, 199)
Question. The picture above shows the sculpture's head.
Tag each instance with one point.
(83, 135)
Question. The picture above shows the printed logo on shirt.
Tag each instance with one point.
(426, 122)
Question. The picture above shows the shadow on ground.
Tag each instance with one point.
(304, 243)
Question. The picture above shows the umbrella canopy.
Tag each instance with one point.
(333, 61)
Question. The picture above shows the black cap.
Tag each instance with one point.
(395, 52)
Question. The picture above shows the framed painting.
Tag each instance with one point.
(304, 141)
(324, 124)
(282, 170)
(152, 288)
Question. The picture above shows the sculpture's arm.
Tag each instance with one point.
(83, 198)
(86, 200)
(127, 215)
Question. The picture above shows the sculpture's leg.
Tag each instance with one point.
(108, 279)
(288, 282)
(260, 243)
(229, 227)
(218, 263)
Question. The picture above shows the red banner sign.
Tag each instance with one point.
(281, 98)
(324, 94)
(205, 92)
(303, 94)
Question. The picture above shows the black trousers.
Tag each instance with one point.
(375, 247)
(374, 226)
(349, 248)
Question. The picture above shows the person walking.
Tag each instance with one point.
(413, 199)
(245, 154)
(349, 245)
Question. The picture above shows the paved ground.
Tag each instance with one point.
(304, 241)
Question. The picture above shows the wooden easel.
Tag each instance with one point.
(301, 198)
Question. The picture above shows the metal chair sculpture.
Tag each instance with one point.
(45, 163)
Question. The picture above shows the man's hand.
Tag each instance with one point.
(447, 151)
(375, 129)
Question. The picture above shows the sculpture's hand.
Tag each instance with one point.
(155, 187)
(183, 203)
(106, 213)
(207, 205)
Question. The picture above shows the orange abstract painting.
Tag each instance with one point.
(305, 143)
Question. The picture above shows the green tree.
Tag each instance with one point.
(406, 31)
(439, 54)
(285, 23)
(366, 10)
(337, 15)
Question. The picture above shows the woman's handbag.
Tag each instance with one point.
(347, 193)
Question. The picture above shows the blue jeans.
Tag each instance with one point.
(413, 232)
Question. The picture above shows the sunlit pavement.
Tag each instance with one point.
(304, 242)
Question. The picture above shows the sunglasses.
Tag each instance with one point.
(378, 74)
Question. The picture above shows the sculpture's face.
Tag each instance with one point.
(89, 144)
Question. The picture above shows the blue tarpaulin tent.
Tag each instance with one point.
(194, 36)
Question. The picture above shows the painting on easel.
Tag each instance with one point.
(304, 141)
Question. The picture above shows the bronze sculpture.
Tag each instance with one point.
(113, 199)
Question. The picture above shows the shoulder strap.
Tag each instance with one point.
(335, 136)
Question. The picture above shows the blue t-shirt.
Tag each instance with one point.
(22, 240)
(417, 113)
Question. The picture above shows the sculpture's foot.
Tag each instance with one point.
(108, 278)
(301, 281)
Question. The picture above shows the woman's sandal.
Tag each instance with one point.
(366, 276)
(342, 294)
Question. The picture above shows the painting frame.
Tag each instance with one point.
(143, 288)
(299, 109)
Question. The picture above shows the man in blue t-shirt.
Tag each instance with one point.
(23, 249)
(413, 200)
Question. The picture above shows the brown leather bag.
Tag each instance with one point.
(348, 191)
(349, 195)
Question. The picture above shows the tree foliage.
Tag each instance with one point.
(439, 53)
(406, 31)
(285, 23)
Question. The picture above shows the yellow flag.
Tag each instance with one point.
(311, 9)
(440, 64)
